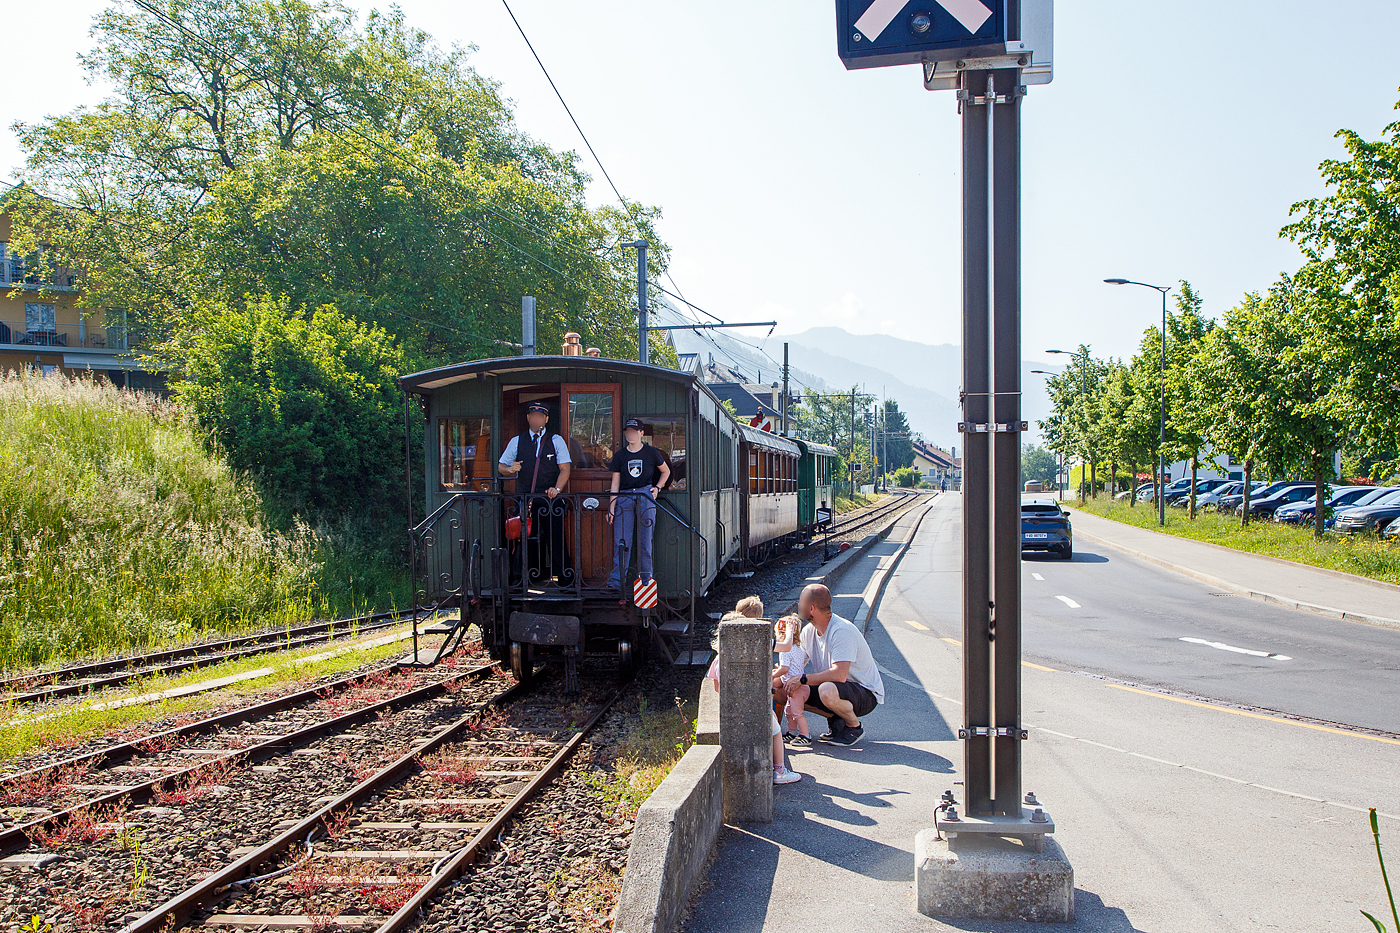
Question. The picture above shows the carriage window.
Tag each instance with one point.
(592, 428)
(464, 453)
(667, 434)
(753, 471)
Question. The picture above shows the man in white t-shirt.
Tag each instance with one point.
(845, 681)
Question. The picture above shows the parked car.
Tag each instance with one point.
(1392, 532)
(1302, 512)
(1376, 517)
(1135, 492)
(1045, 527)
(1212, 499)
(1264, 507)
(1231, 502)
(1183, 498)
(1145, 495)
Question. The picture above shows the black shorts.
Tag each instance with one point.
(861, 699)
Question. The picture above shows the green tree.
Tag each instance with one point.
(1038, 465)
(275, 147)
(1351, 238)
(303, 400)
(1281, 381)
(827, 419)
(898, 448)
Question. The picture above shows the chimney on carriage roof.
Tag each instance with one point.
(593, 351)
(573, 344)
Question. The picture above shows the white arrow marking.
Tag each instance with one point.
(878, 16)
(1249, 651)
(1069, 602)
(970, 13)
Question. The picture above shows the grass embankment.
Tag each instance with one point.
(123, 530)
(21, 734)
(854, 501)
(1363, 555)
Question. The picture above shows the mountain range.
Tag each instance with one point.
(924, 378)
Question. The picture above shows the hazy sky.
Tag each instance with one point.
(1170, 146)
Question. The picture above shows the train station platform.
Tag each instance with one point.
(842, 838)
(1270, 579)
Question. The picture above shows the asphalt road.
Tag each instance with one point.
(1177, 813)
(1108, 613)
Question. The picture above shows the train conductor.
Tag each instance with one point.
(639, 472)
(540, 461)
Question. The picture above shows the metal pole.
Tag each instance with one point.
(786, 432)
(1162, 429)
(643, 344)
(527, 326)
(851, 464)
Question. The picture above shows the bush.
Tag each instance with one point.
(304, 402)
(122, 529)
(904, 477)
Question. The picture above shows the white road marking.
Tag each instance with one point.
(1069, 602)
(1214, 774)
(1224, 647)
(1038, 577)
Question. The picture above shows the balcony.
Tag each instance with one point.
(70, 338)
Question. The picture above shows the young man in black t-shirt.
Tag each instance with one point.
(638, 473)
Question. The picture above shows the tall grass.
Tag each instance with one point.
(1364, 555)
(119, 528)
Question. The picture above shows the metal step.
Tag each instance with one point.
(694, 659)
(677, 627)
(440, 628)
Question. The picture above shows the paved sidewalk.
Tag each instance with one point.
(1283, 582)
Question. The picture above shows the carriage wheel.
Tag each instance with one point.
(626, 660)
(522, 661)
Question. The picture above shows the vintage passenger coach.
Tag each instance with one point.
(493, 550)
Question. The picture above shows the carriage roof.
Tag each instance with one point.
(430, 380)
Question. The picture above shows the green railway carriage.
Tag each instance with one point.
(530, 570)
(815, 489)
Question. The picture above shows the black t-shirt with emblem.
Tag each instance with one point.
(639, 470)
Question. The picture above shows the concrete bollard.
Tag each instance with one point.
(745, 720)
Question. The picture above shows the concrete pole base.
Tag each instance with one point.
(989, 878)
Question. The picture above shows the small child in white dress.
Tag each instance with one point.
(792, 664)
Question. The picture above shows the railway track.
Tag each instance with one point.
(80, 679)
(897, 502)
(266, 834)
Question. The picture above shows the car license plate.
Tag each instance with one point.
(1037, 535)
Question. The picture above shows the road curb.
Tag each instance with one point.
(841, 564)
(875, 589)
(1238, 590)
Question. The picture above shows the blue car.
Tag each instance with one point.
(1045, 527)
(1373, 518)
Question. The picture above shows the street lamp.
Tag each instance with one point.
(1084, 389)
(1060, 467)
(1162, 413)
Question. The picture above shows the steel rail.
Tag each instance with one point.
(114, 664)
(468, 853)
(115, 754)
(178, 910)
(60, 691)
(899, 500)
(16, 838)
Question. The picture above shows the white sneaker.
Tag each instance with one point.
(785, 776)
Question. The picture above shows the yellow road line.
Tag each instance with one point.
(1240, 712)
(1037, 667)
(922, 628)
(952, 641)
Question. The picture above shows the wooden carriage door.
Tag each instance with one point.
(592, 425)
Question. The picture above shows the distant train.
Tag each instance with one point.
(531, 571)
